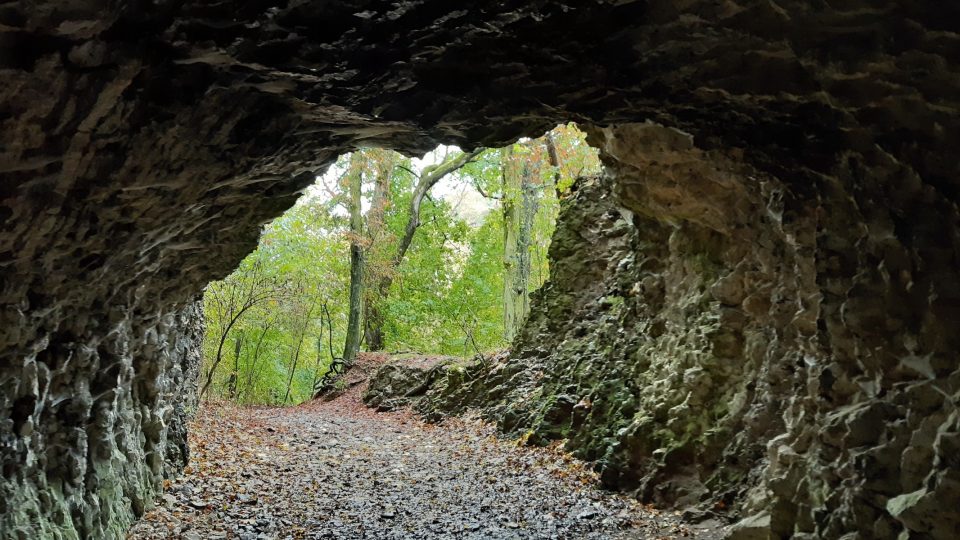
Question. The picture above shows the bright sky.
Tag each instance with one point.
(466, 201)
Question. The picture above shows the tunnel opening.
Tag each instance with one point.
(452, 245)
(751, 312)
(390, 481)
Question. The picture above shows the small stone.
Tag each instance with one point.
(199, 504)
(588, 514)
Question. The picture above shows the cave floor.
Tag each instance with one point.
(340, 470)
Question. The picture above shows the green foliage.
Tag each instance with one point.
(448, 293)
(302, 250)
(444, 296)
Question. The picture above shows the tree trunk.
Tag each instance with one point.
(528, 214)
(316, 369)
(259, 288)
(333, 358)
(235, 374)
(554, 157)
(511, 226)
(519, 209)
(428, 178)
(375, 319)
(352, 342)
(293, 368)
(377, 274)
(253, 373)
(219, 357)
(304, 325)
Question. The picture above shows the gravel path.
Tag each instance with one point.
(338, 470)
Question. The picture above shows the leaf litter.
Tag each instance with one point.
(339, 470)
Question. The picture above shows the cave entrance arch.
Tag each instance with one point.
(452, 245)
(144, 144)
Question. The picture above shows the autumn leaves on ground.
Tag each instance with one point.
(337, 469)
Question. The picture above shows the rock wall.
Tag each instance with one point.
(143, 144)
(94, 426)
(401, 382)
(714, 337)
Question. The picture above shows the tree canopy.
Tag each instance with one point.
(439, 239)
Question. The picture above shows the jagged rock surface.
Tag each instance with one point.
(94, 426)
(709, 338)
(142, 144)
(398, 384)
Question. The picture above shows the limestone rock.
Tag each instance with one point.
(725, 365)
(781, 231)
(398, 383)
(756, 527)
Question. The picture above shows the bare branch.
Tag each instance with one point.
(476, 186)
(404, 167)
(429, 178)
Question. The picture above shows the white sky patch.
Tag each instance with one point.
(467, 203)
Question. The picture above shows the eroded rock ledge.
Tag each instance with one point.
(142, 144)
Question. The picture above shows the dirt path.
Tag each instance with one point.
(339, 470)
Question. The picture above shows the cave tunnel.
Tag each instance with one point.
(797, 158)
